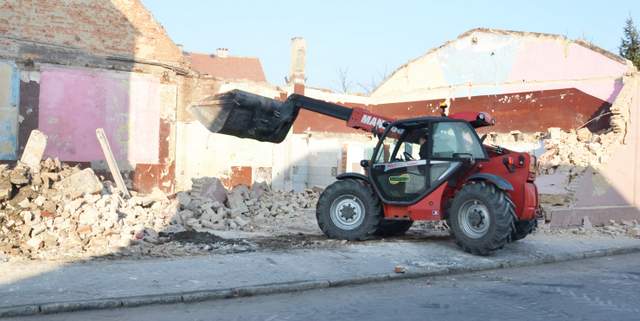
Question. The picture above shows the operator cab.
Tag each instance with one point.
(415, 156)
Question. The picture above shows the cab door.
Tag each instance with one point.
(403, 178)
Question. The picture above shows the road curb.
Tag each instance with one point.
(275, 288)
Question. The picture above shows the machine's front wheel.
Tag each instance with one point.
(481, 218)
(349, 209)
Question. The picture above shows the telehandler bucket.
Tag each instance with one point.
(246, 115)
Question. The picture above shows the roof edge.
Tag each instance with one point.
(580, 42)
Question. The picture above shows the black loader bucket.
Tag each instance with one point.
(246, 115)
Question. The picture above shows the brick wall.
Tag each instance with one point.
(99, 27)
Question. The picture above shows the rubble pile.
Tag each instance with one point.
(240, 209)
(559, 150)
(575, 151)
(628, 228)
(64, 211)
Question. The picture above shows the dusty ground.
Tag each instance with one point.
(303, 234)
(63, 213)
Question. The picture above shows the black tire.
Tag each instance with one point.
(389, 228)
(479, 202)
(347, 195)
(523, 228)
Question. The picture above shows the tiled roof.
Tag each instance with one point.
(232, 68)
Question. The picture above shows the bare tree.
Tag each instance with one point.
(344, 84)
(374, 82)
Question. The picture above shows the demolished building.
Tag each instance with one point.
(67, 73)
(568, 102)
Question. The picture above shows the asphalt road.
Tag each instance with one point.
(597, 289)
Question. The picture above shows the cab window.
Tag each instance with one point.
(450, 138)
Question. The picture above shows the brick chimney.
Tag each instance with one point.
(222, 52)
(298, 60)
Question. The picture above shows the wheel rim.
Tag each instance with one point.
(347, 212)
(474, 218)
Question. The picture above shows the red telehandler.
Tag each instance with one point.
(485, 193)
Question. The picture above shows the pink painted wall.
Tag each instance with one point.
(505, 62)
(74, 102)
(553, 60)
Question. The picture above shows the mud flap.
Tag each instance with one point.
(246, 115)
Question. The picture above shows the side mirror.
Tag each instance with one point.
(364, 163)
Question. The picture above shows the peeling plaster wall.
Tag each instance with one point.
(611, 191)
(84, 64)
(74, 102)
(202, 153)
(9, 100)
(301, 161)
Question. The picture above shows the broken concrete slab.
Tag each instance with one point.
(89, 216)
(35, 243)
(19, 175)
(236, 198)
(210, 188)
(82, 182)
(554, 133)
(586, 223)
(33, 150)
(257, 189)
(111, 162)
(6, 188)
(584, 134)
(183, 199)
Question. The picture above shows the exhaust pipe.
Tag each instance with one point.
(246, 115)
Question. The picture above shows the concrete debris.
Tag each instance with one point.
(612, 229)
(111, 162)
(634, 232)
(584, 134)
(19, 175)
(573, 152)
(236, 200)
(621, 107)
(400, 269)
(33, 150)
(561, 157)
(586, 223)
(5, 188)
(79, 183)
(245, 209)
(567, 152)
(209, 187)
(65, 212)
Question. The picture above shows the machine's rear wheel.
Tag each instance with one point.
(388, 228)
(481, 218)
(523, 228)
(349, 209)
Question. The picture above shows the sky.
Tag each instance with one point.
(366, 40)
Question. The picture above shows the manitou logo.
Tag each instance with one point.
(378, 123)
